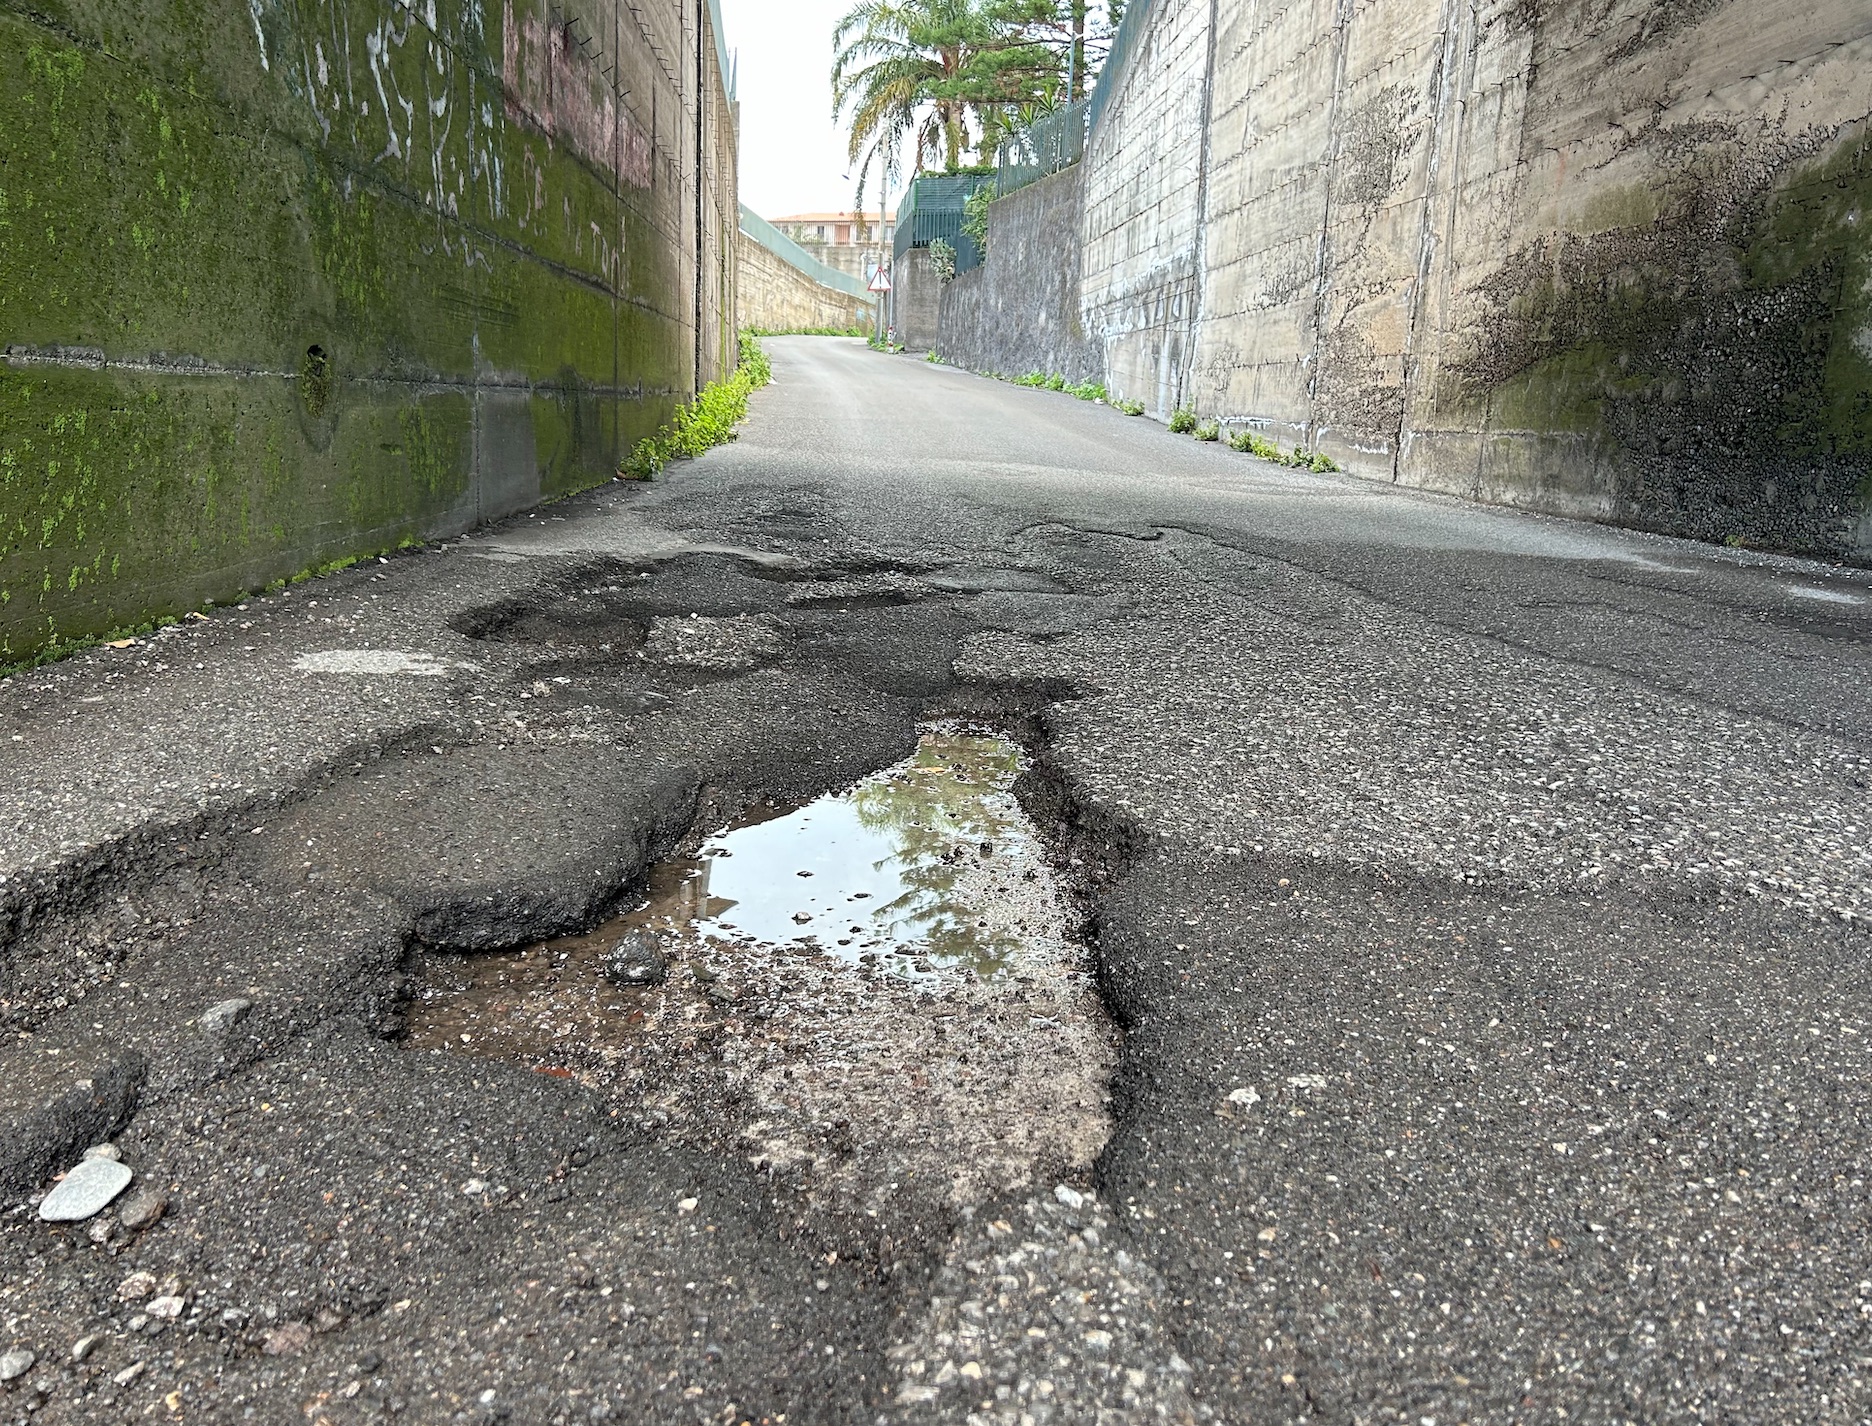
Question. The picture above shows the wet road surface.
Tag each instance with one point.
(1441, 994)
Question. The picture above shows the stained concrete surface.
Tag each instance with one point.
(1479, 899)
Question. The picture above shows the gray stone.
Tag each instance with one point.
(103, 1151)
(15, 1364)
(87, 1190)
(219, 1019)
(637, 959)
(142, 1208)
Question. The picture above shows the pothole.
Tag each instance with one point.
(877, 995)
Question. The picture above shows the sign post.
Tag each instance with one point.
(880, 284)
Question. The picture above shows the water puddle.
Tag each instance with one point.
(890, 968)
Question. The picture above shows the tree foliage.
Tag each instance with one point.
(953, 78)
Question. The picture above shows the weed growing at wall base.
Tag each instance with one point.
(1249, 443)
(1182, 422)
(706, 422)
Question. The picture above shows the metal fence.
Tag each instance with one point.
(1125, 42)
(933, 209)
(778, 243)
(1054, 141)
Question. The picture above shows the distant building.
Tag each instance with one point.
(848, 241)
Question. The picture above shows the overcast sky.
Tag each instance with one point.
(792, 154)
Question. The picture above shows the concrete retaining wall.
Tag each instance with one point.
(776, 296)
(915, 300)
(1020, 311)
(282, 284)
(1606, 258)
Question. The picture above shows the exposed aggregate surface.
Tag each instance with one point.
(1479, 903)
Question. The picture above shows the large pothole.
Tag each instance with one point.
(877, 997)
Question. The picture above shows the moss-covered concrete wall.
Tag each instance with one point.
(1609, 258)
(287, 281)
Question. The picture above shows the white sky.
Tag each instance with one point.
(792, 154)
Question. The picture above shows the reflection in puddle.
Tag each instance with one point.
(904, 865)
(876, 990)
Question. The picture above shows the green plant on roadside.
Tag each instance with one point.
(1208, 431)
(708, 421)
(1130, 406)
(1182, 421)
(1254, 444)
(942, 256)
(931, 356)
(975, 215)
(1087, 391)
(1032, 378)
(1056, 382)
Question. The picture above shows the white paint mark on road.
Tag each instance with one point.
(1828, 596)
(374, 661)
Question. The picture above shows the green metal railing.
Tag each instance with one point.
(1124, 45)
(933, 209)
(1054, 141)
(779, 244)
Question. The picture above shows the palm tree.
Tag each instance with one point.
(905, 70)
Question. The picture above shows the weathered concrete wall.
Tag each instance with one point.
(915, 300)
(1020, 311)
(776, 296)
(1608, 258)
(1142, 234)
(283, 283)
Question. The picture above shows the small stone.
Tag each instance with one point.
(288, 1339)
(474, 1186)
(1071, 1197)
(104, 1151)
(167, 1308)
(800, 918)
(687, 1205)
(142, 1208)
(972, 1370)
(15, 1364)
(84, 1346)
(136, 1287)
(637, 959)
(219, 1019)
(85, 1191)
(128, 1374)
(1246, 1095)
(101, 1229)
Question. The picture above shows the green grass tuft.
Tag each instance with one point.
(1182, 421)
(706, 422)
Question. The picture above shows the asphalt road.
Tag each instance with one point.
(1471, 1021)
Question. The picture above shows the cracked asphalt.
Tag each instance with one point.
(1475, 903)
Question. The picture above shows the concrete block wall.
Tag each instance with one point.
(1143, 226)
(281, 284)
(1020, 311)
(915, 300)
(775, 296)
(1604, 258)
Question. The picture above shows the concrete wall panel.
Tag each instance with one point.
(285, 281)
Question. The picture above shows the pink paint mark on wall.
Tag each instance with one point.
(554, 86)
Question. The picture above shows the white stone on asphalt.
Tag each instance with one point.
(372, 661)
(86, 1191)
(220, 1018)
(16, 1363)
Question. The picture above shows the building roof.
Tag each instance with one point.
(890, 216)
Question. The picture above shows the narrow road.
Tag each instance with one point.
(1442, 997)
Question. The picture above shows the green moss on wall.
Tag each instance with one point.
(1727, 383)
(264, 290)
